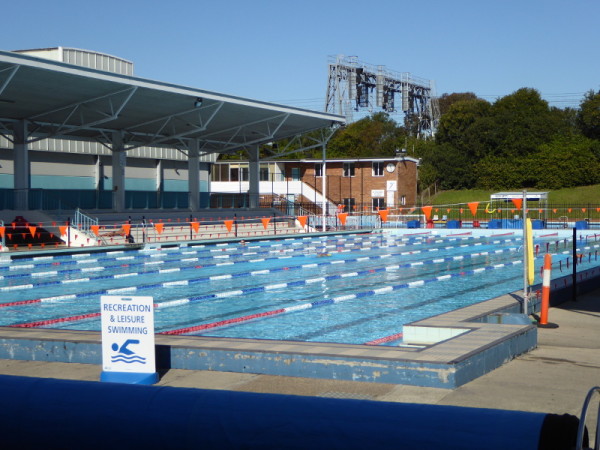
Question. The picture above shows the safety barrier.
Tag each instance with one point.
(53, 413)
(87, 231)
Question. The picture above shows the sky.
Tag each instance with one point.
(278, 51)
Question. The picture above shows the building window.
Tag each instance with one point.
(378, 203)
(348, 169)
(264, 174)
(318, 169)
(349, 204)
(377, 169)
(295, 173)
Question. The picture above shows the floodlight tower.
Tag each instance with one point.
(355, 86)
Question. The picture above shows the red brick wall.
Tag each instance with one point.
(363, 182)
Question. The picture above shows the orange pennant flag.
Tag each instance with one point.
(473, 207)
(229, 224)
(518, 202)
(569, 209)
(32, 230)
(302, 220)
(2, 231)
(427, 211)
(554, 210)
(159, 227)
(95, 229)
(126, 228)
(343, 216)
(265, 221)
(583, 209)
(383, 214)
(195, 226)
(63, 230)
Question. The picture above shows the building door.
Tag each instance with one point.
(290, 208)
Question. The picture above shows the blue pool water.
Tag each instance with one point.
(345, 288)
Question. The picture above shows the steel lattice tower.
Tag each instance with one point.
(355, 86)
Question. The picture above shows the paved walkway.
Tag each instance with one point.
(554, 378)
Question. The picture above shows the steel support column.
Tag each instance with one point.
(254, 177)
(22, 166)
(194, 175)
(119, 162)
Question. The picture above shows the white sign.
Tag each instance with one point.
(390, 199)
(377, 193)
(127, 334)
(392, 185)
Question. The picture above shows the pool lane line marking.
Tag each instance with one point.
(126, 258)
(100, 268)
(46, 322)
(117, 276)
(250, 273)
(274, 312)
(325, 302)
(150, 272)
(254, 273)
(129, 258)
(290, 309)
(383, 340)
(147, 255)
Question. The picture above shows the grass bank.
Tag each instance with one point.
(583, 195)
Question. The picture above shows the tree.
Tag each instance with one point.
(588, 118)
(460, 140)
(373, 136)
(523, 121)
(566, 162)
(445, 101)
(455, 127)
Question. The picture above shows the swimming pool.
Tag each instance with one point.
(355, 289)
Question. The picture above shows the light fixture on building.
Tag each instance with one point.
(198, 102)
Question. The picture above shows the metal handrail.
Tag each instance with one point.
(582, 420)
(83, 222)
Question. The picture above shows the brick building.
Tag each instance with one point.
(355, 184)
